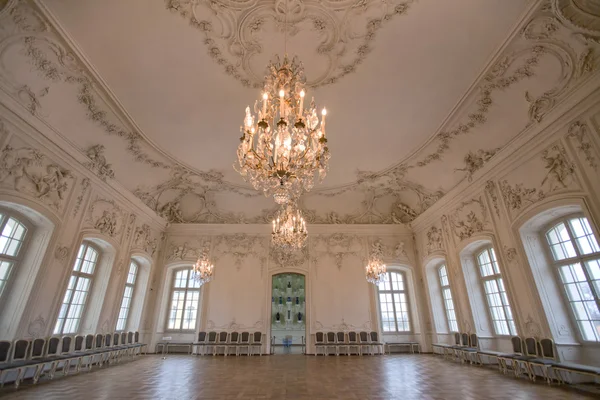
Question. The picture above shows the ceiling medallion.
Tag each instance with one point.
(375, 270)
(203, 269)
(283, 148)
(289, 228)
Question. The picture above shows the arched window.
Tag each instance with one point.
(576, 257)
(78, 289)
(185, 294)
(447, 296)
(495, 292)
(12, 239)
(127, 296)
(393, 303)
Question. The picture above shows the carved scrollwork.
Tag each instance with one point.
(581, 15)
(234, 31)
(143, 239)
(474, 161)
(61, 253)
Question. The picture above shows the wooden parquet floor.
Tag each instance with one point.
(297, 377)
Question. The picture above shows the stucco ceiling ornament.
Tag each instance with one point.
(234, 32)
(581, 15)
(474, 161)
(98, 163)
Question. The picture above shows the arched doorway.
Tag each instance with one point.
(288, 313)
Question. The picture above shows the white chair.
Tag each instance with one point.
(319, 342)
(353, 342)
(221, 342)
(257, 342)
(330, 342)
(234, 341)
(244, 342)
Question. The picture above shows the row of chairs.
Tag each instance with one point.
(347, 341)
(227, 341)
(528, 355)
(48, 355)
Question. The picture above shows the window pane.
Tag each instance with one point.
(12, 237)
(191, 310)
(393, 303)
(132, 273)
(5, 268)
(181, 278)
(560, 242)
(584, 236)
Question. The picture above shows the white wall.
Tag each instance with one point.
(63, 213)
(239, 297)
(547, 171)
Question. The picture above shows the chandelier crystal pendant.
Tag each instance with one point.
(375, 270)
(289, 228)
(203, 269)
(283, 148)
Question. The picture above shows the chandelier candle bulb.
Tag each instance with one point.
(264, 105)
(281, 103)
(301, 108)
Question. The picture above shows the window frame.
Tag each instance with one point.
(172, 290)
(133, 287)
(18, 259)
(408, 304)
(79, 274)
(555, 266)
(442, 288)
(482, 280)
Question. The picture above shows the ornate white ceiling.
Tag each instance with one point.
(423, 93)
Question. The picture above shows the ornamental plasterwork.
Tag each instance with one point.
(186, 251)
(581, 15)
(143, 239)
(470, 218)
(61, 253)
(343, 327)
(29, 171)
(289, 259)
(233, 326)
(85, 184)
(240, 246)
(434, 239)
(106, 216)
(98, 163)
(474, 161)
(544, 35)
(492, 191)
(338, 245)
(234, 32)
(559, 176)
(579, 133)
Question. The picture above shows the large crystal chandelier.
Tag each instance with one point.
(283, 148)
(289, 228)
(375, 270)
(203, 269)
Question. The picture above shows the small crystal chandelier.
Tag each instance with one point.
(289, 228)
(375, 270)
(283, 148)
(203, 269)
